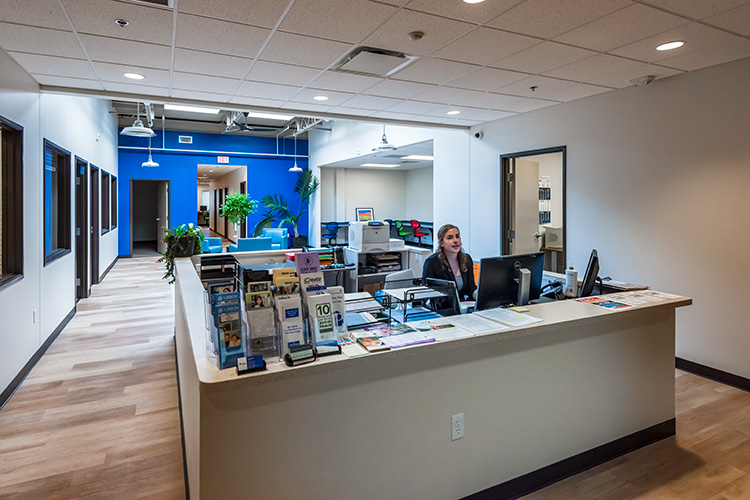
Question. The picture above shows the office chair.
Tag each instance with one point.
(402, 230)
(332, 229)
(415, 228)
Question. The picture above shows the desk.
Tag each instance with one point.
(378, 426)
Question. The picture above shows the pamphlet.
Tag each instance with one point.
(307, 262)
(441, 329)
(602, 302)
(289, 309)
(321, 320)
(373, 344)
(477, 324)
(231, 343)
(283, 273)
(338, 309)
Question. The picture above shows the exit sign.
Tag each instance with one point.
(223, 159)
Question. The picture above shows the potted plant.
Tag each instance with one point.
(182, 241)
(277, 207)
(237, 206)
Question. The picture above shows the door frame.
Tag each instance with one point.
(506, 195)
(243, 226)
(81, 224)
(169, 205)
(95, 178)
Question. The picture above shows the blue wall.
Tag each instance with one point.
(178, 163)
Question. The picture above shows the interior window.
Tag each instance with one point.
(57, 223)
(11, 202)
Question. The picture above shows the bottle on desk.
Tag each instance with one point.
(571, 282)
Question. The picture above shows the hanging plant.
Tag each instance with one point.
(237, 206)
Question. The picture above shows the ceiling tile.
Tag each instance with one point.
(264, 71)
(353, 111)
(14, 37)
(447, 121)
(137, 90)
(484, 46)
(437, 71)
(310, 108)
(344, 82)
(43, 13)
(710, 56)
(199, 96)
(483, 115)
(543, 57)
(622, 79)
(550, 18)
(736, 20)
(97, 17)
(58, 66)
(334, 98)
(485, 79)
(593, 67)
(576, 91)
(449, 95)
(138, 54)
(389, 115)
(206, 63)
(496, 101)
(415, 107)
(61, 81)
(695, 9)
(190, 81)
(271, 91)
(475, 13)
(370, 102)
(304, 50)
(542, 84)
(532, 104)
(254, 101)
(114, 72)
(399, 89)
(696, 36)
(222, 37)
(343, 20)
(400, 3)
(264, 13)
(394, 34)
(622, 28)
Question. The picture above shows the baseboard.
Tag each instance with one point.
(182, 426)
(101, 278)
(713, 374)
(545, 476)
(16, 382)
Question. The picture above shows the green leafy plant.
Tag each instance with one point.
(237, 206)
(277, 207)
(178, 241)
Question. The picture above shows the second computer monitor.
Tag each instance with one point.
(499, 276)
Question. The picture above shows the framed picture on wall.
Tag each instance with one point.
(364, 215)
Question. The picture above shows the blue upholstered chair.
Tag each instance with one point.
(332, 230)
(251, 244)
(279, 237)
(211, 245)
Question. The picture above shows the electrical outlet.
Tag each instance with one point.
(457, 426)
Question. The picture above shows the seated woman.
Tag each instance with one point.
(450, 262)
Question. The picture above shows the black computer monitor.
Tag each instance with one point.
(592, 274)
(498, 279)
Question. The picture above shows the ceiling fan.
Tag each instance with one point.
(234, 123)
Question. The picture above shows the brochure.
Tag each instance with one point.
(289, 309)
(307, 262)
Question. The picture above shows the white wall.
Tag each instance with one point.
(382, 190)
(657, 182)
(450, 172)
(47, 290)
(419, 198)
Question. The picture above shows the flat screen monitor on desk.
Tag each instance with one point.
(499, 279)
(592, 272)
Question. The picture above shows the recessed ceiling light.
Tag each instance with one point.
(671, 45)
(134, 76)
(473, 1)
(270, 116)
(121, 22)
(192, 109)
(321, 98)
(387, 165)
(453, 112)
(418, 157)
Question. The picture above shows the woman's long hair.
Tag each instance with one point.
(463, 257)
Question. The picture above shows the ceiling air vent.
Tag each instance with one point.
(185, 139)
(372, 61)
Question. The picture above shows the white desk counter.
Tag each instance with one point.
(379, 426)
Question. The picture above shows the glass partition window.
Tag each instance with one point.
(114, 202)
(106, 209)
(57, 223)
(11, 202)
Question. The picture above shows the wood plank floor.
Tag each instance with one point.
(98, 418)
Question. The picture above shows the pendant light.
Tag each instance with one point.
(138, 129)
(295, 168)
(150, 162)
(383, 146)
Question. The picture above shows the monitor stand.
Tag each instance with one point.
(524, 285)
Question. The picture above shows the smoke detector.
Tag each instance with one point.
(643, 80)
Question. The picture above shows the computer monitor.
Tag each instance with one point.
(592, 274)
(499, 279)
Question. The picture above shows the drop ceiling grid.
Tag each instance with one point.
(304, 47)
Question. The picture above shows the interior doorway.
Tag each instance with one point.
(94, 225)
(82, 212)
(534, 205)
(149, 213)
(243, 226)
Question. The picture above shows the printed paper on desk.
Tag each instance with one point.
(407, 339)
(508, 317)
(441, 328)
(477, 324)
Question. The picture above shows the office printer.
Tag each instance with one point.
(371, 236)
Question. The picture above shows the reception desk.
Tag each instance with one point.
(583, 381)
